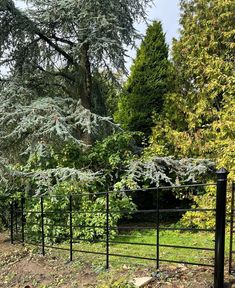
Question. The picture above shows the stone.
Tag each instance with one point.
(142, 281)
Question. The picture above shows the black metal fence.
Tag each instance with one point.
(29, 219)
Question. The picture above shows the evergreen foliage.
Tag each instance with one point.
(158, 171)
(149, 81)
(198, 117)
(53, 53)
(62, 57)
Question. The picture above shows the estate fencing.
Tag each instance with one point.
(22, 225)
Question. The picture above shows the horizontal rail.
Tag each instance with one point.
(115, 191)
(186, 263)
(130, 256)
(58, 248)
(132, 243)
(124, 211)
(131, 236)
(89, 252)
(129, 227)
(145, 244)
(46, 212)
(33, 243)
(186, 210)
(49, 225)
(161, 228)
(113, 242)
(186, 229)
(187, 247)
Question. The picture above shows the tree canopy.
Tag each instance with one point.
(68, 41)
(198, 116)
(61, 61)
(53, 52)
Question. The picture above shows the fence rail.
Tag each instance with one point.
(22, 220)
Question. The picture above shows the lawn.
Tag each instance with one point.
(143, 249)
(25, 265)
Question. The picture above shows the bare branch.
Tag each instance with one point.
(62, 40)
(59, 74)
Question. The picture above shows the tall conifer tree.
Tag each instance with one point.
(148, 82)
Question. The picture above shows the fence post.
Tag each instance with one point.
(71, 227)
(12, 221)
(22, 219)
(220, 227)
(107, 230)
(158, 265)
(42, 219)
(16, 216)
(231, 229)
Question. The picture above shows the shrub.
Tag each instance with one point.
(88, 210)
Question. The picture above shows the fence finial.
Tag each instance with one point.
(222, 171)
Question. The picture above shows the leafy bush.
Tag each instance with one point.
(203, 220)
(88, 210)
(206, 200)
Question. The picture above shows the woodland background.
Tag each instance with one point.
(72, 119)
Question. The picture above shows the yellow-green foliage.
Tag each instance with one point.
(225, 137)
(199, 117)
(204, 220)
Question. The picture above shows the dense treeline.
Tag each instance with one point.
(65, 80)
(196, 116)
(193, 97)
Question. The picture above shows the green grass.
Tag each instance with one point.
(178, 238)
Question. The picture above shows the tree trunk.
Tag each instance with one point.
(86, 87)
(86, 75)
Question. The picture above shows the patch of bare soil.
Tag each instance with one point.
(21, 267)
(182, 277)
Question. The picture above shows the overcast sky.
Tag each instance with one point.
(166, 11)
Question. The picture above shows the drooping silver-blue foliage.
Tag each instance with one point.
(30, 121)
(51, 51)
(158, 171)
(52, 30)
(32, 125)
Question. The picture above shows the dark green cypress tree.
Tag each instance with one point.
(147, 84)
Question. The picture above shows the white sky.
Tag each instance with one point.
(166, 11)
